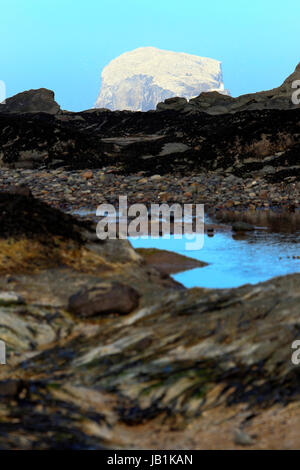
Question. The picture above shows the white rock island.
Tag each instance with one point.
(139, 79)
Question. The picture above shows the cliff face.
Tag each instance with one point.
(140, 79)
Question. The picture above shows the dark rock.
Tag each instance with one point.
(216, 103)
(262, 137)
(10, 388)
(21, 190)
(168, 262)
(23, 215)
(32, 101)
(174, 104)
(156, 143)
(41, 140)
(213, 102)
(104, 299)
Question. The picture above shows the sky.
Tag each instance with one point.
(64, 44)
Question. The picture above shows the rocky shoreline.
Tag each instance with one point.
(86, 189)
(104, 349)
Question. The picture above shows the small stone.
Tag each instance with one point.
(263, 194)
(8, 298)
(155, 178)
(87, 175)
(105, 298)
(242, 439)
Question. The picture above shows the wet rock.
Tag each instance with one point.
(104, 299)
(169, 262)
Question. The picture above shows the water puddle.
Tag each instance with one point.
(234, 260)
(273, 249)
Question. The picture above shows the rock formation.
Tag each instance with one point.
(32, 101)
(216, 103)
(179, 137)
(140, 79)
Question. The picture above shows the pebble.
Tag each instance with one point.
(71, 190)
(242, 439)
(88, 175)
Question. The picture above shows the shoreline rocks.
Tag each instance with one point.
(262, 137)
(31, 101)
(104, 350)
(169, 262)
(224, 198)
(161, 358)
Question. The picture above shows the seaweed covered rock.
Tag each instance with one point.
(252, 133)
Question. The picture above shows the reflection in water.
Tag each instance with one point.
(234, 261)
(274, 221)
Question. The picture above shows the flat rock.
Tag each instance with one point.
(169, 262)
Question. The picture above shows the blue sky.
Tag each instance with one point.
(64, 44)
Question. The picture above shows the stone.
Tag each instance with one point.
(175, 104)
(10, 298)
(155, 178)
(87, 175)
(104, 299)
(32, 101)
(241, 438)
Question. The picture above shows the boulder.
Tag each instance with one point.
(175, 104)
(32, 101)
(104, 299)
